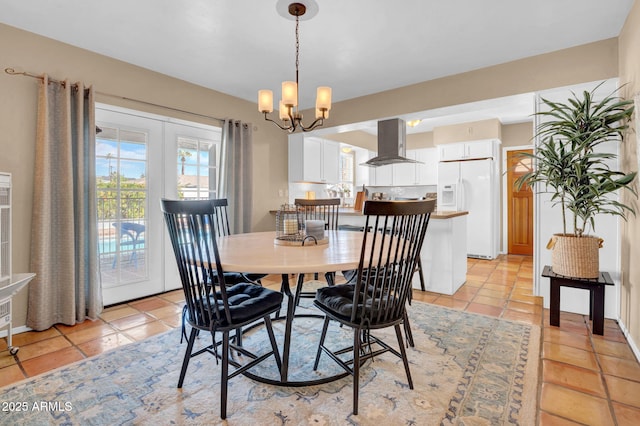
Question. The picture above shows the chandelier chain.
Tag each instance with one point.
(297, 45)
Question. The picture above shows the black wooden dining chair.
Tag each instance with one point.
(212, 305)
(221, 223)
(419, 270)
(327, 210)
(377, 298)
(222, 228)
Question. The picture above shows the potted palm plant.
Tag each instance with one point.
(569, 166)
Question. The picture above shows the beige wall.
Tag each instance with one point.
(33, 53)
(420, 140)
(356, 138)
(590, 62)
(510, 134)
(629, 42)
(476, 130)
(370, 142)
(519, 134)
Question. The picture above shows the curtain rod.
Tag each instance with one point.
(12, 71)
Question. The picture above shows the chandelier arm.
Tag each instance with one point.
(318, 122)
(289, 127)
(292, 116)
(295, 123)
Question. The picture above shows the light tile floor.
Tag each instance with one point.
(586, 379)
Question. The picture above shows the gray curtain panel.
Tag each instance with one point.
(636, 103)
(237, 174)
(64, 237)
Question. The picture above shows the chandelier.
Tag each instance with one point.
(290, 116)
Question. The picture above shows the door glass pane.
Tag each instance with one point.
(122, 193)
(524, 165)
(197, 168)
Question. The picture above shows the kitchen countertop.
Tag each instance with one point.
(438, 214)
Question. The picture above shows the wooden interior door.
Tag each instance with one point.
(519, 205)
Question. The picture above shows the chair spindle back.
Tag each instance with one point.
(326, 209)
(393, 237)
(193, 227)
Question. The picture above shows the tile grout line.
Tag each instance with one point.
(602, 378)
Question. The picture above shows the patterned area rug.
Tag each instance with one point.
(467, 370)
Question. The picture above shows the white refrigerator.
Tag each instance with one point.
(472, 186)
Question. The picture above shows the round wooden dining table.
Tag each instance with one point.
(258, 252)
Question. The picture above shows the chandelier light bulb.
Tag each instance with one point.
(290, 93)
(265, 101)
(283, 111)
(323, 98)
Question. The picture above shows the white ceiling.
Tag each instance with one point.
(357, 47)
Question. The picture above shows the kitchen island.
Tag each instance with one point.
(444, 252)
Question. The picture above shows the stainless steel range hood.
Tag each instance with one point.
(392, 136)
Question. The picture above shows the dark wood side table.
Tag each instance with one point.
(596, 288)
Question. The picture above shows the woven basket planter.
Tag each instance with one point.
(573, 256)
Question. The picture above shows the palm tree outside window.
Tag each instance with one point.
(197, 163)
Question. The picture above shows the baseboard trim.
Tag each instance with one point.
(16, 330)
(632, 344)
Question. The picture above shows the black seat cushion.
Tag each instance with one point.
(350, 275)
(338, 299)
(246, 301)
(231, 278)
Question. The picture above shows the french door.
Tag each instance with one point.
(192, 163)
(141, 158)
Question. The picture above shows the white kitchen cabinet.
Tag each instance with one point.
(468, 150)
(424, 172)
(313, 160)
(405, 173)
(451, 151)
(382, 175)
(331, 161)
(480, 149)
(444, 255)
(427, 170)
